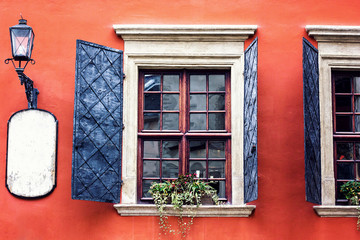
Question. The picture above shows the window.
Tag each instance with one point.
(330, 115)
(184, 127)
(110, 130)
(346, 117)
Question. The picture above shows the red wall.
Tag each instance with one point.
(281, 210)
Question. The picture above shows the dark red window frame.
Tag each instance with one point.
(184, 135)
(346, 128)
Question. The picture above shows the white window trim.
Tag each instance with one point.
(178, 47)
(339, 49)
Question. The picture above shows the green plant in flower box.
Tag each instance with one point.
(185, 190)
(351, 190)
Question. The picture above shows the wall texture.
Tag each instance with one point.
(281, 212)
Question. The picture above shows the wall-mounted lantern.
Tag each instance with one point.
(22, 42)
(32, 132)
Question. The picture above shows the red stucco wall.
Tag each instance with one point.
(281, 212)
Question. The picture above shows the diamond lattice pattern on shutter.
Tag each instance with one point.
(311, 123)
(97, 123)
(250, 123)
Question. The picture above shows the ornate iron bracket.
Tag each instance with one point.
(30, 91)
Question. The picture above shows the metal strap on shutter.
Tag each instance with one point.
(311, 123)
(250, 123)
(96, 166)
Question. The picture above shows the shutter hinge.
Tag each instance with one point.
(123, 127)
(124, 76)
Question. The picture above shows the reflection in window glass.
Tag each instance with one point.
(170, 149)
(197, 102)
(151, 121)
(216, 149)
(171, 83)
(151, 149)
(216, 121)
(197, 149)
(216, 169)
(199, 168)
(171, 102)
(216, 102)
(151, 169)
(217, 82)
(197, 121)
(197, 83)
(152, 82)
(344, 151)
(170, 121)
(170, 169)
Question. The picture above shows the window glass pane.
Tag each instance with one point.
(170, 169)
(217, 82)
(357, 103)
(343, 85)
(170, 149)
(344, 151)
(216, 102)
(357, 123)
(170, 121)
(171, 102)
(357, 171)
(151, 121)
(199, 168)
(216, 169)
(146, 187)
(152, 101)
(339, 195)
(343, 103)
(197, 83)
(357, 84)
(151, 149)
(216, 121)
(344, 123)
(345, 171)
(171, 83)
(197, 121)
(152, 82)
(198, 102)
(219, 186)
(197, 149)
(151, 169)
(357, 151)
(216, 149)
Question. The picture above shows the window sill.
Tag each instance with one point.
(337, 211)
(202, 211)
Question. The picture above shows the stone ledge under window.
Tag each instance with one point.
(337, 211)
(202, 211)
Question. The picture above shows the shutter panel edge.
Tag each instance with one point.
(250, 122)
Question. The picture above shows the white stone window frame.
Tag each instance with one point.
(182, 47)
(339, 49)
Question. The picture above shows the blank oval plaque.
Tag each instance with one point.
(31, 153)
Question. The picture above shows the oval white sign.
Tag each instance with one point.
(31, 153)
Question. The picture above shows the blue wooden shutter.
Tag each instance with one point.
(250, 123)
(311, 123)
(97, 139)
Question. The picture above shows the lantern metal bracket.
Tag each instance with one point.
(30, 91)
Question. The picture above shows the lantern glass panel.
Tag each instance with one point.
(22, 41)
